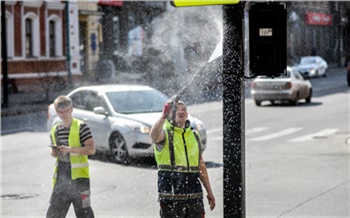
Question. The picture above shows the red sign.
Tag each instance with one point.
(318, 19)
(117, 3)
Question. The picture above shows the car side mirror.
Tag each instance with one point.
(100, 110)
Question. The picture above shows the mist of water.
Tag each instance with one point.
(187, 37)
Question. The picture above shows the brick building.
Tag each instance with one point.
(37, 44)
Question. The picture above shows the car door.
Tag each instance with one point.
(98, 123)
(303, 89)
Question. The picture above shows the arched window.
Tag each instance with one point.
(52, 39)
(54, 36)
(30, 35)
(29, 38)
(9, 34)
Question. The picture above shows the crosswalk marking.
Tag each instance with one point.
(277, 134)
(250, 132)
(254, 130)
(323, 133)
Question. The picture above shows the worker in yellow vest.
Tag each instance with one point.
(181, 167)
(71, 142)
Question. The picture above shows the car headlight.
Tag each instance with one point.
(313, 71)
(142, 129)
(199, 125)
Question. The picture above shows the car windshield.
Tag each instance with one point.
(308, 61)
(140, 101)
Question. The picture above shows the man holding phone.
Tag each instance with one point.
(71, 143)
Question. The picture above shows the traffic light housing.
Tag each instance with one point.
(268, 39)
(187, 3)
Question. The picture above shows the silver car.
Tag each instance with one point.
(120, 118)
(290, 87)
(312, 66)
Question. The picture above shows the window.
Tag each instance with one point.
(87, 100)
(10, 34)
(29, 37)
(52, 38)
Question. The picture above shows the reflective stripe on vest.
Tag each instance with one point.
(178, 168)
(169, 196)
(79, 163)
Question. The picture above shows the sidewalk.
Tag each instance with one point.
(25, 103)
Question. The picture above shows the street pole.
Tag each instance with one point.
(4, 64)
(69, 73)
(233, 112)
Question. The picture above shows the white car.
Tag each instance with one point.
(312, 66)
(290, 87)
(120, 118)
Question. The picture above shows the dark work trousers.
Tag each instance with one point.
(67, 192)
(182, 210)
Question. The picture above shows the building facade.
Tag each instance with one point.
(90, 32)
(38, 46)
(321, 28)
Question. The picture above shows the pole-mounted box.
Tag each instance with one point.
(268, 38)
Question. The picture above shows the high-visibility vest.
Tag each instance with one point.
(79, 163)
(179, 180)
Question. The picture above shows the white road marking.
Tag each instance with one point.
(323, 133)
(254, 130)
(277, 134)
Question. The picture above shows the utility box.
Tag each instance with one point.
(268, 39)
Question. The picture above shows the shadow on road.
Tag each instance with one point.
(144, 162)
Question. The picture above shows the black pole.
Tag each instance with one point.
(4, 66)
(69, 72)
(233, 112)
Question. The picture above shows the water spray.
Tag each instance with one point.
(174, 99)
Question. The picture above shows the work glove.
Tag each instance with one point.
(166, 109)
(168, 106)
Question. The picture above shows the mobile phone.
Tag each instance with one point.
(51, 146)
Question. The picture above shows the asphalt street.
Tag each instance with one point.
(296, 162)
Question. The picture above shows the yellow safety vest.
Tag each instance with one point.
(186, 151)
(79, 163)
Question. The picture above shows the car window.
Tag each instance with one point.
(86, 100)
(287, 75)
(78, 100)
(92, 100)
(308, 61)
(128, 102)
(296, 75)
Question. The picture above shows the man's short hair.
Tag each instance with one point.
(62, 102)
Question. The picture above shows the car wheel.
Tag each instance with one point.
(308, 99)
(257, 102)
(118, 148)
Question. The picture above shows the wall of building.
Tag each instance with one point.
(27, 73)
(90, 38)
(315, 27)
